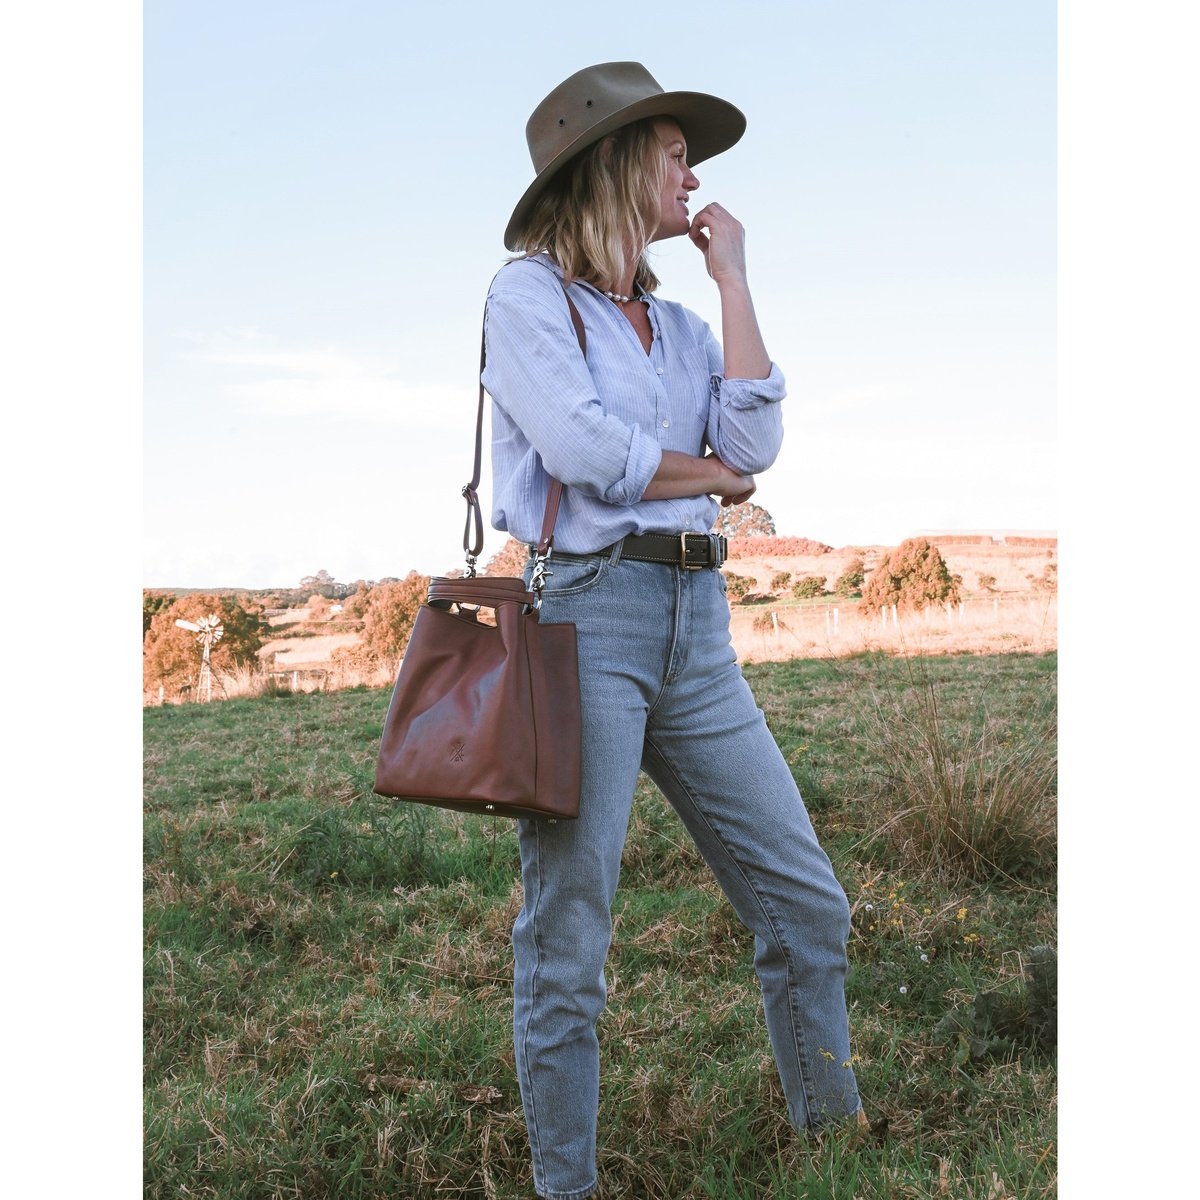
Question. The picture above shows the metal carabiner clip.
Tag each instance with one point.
(537, 580)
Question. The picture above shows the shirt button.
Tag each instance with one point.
(658, 370)
(666, 424)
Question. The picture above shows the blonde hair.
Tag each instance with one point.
(604, 201)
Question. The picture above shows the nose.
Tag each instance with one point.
(690, 181)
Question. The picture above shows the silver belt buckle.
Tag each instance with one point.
(683, 562)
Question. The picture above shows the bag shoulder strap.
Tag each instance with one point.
(473, 548)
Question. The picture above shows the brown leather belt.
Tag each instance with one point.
(690, 551)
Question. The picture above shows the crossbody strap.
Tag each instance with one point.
(472, 548)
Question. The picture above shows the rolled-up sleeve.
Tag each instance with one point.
(745, 419)
(536, 374)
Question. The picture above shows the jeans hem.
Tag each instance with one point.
(583, 1194)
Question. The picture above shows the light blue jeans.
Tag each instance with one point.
(662, 691)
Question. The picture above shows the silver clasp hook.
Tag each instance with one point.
(537, 580)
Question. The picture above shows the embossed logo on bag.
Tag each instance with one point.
(458, 751)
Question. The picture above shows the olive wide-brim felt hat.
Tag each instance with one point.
(595, 101)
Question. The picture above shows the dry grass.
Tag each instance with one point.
(979, 625)
(963, 791)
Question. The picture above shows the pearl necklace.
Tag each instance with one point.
(619, 298)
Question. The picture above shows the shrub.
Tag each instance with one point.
(959, 792)
(808, 588)
(849, 582)
(736, 586)
(1048, 580)
(780, 580)
(912, 576)
(987, 582)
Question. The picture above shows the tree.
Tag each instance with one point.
(849, 582)
(987, 582)
(388, 613)
(912, 576)
(171, 656)
(780, 580)
(508, 560)
(322, 583)
(745, 520)
(152, 603)
(318, 607)
(325, 585)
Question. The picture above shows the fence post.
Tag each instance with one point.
(775, 621)
(895, 619)
(835, 622)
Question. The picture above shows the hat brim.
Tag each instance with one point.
(710, 125)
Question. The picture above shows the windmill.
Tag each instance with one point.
(207, 630)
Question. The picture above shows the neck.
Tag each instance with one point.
(625, 284)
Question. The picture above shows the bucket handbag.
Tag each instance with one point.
(485, 715)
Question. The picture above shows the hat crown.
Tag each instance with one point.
(583, 101)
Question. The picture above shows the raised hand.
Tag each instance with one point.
(723, 246)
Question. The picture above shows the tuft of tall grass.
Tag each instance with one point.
(962, 791)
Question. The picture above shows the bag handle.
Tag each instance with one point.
(473, 548)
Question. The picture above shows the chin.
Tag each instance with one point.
(673, 228)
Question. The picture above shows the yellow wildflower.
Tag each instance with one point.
(962, 914)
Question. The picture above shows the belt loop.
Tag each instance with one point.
(615, 556)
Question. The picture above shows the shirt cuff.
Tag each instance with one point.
(645, 454)
(750, 393)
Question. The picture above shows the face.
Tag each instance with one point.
(679, 181)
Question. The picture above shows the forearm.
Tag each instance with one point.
(745, 352)
(681, 475)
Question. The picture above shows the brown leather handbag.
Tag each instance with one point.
(485, 718)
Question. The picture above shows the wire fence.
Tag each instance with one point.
(791, 629)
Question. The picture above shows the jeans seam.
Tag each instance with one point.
(669, 673)
(801, 1049)
(531, 1122)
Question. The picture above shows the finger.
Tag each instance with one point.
(713, 213)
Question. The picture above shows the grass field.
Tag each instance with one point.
(327, 1000)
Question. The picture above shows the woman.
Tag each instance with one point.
(627, 430)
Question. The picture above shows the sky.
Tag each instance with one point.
(325, 190)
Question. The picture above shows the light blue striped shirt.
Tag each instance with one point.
(601, 427)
